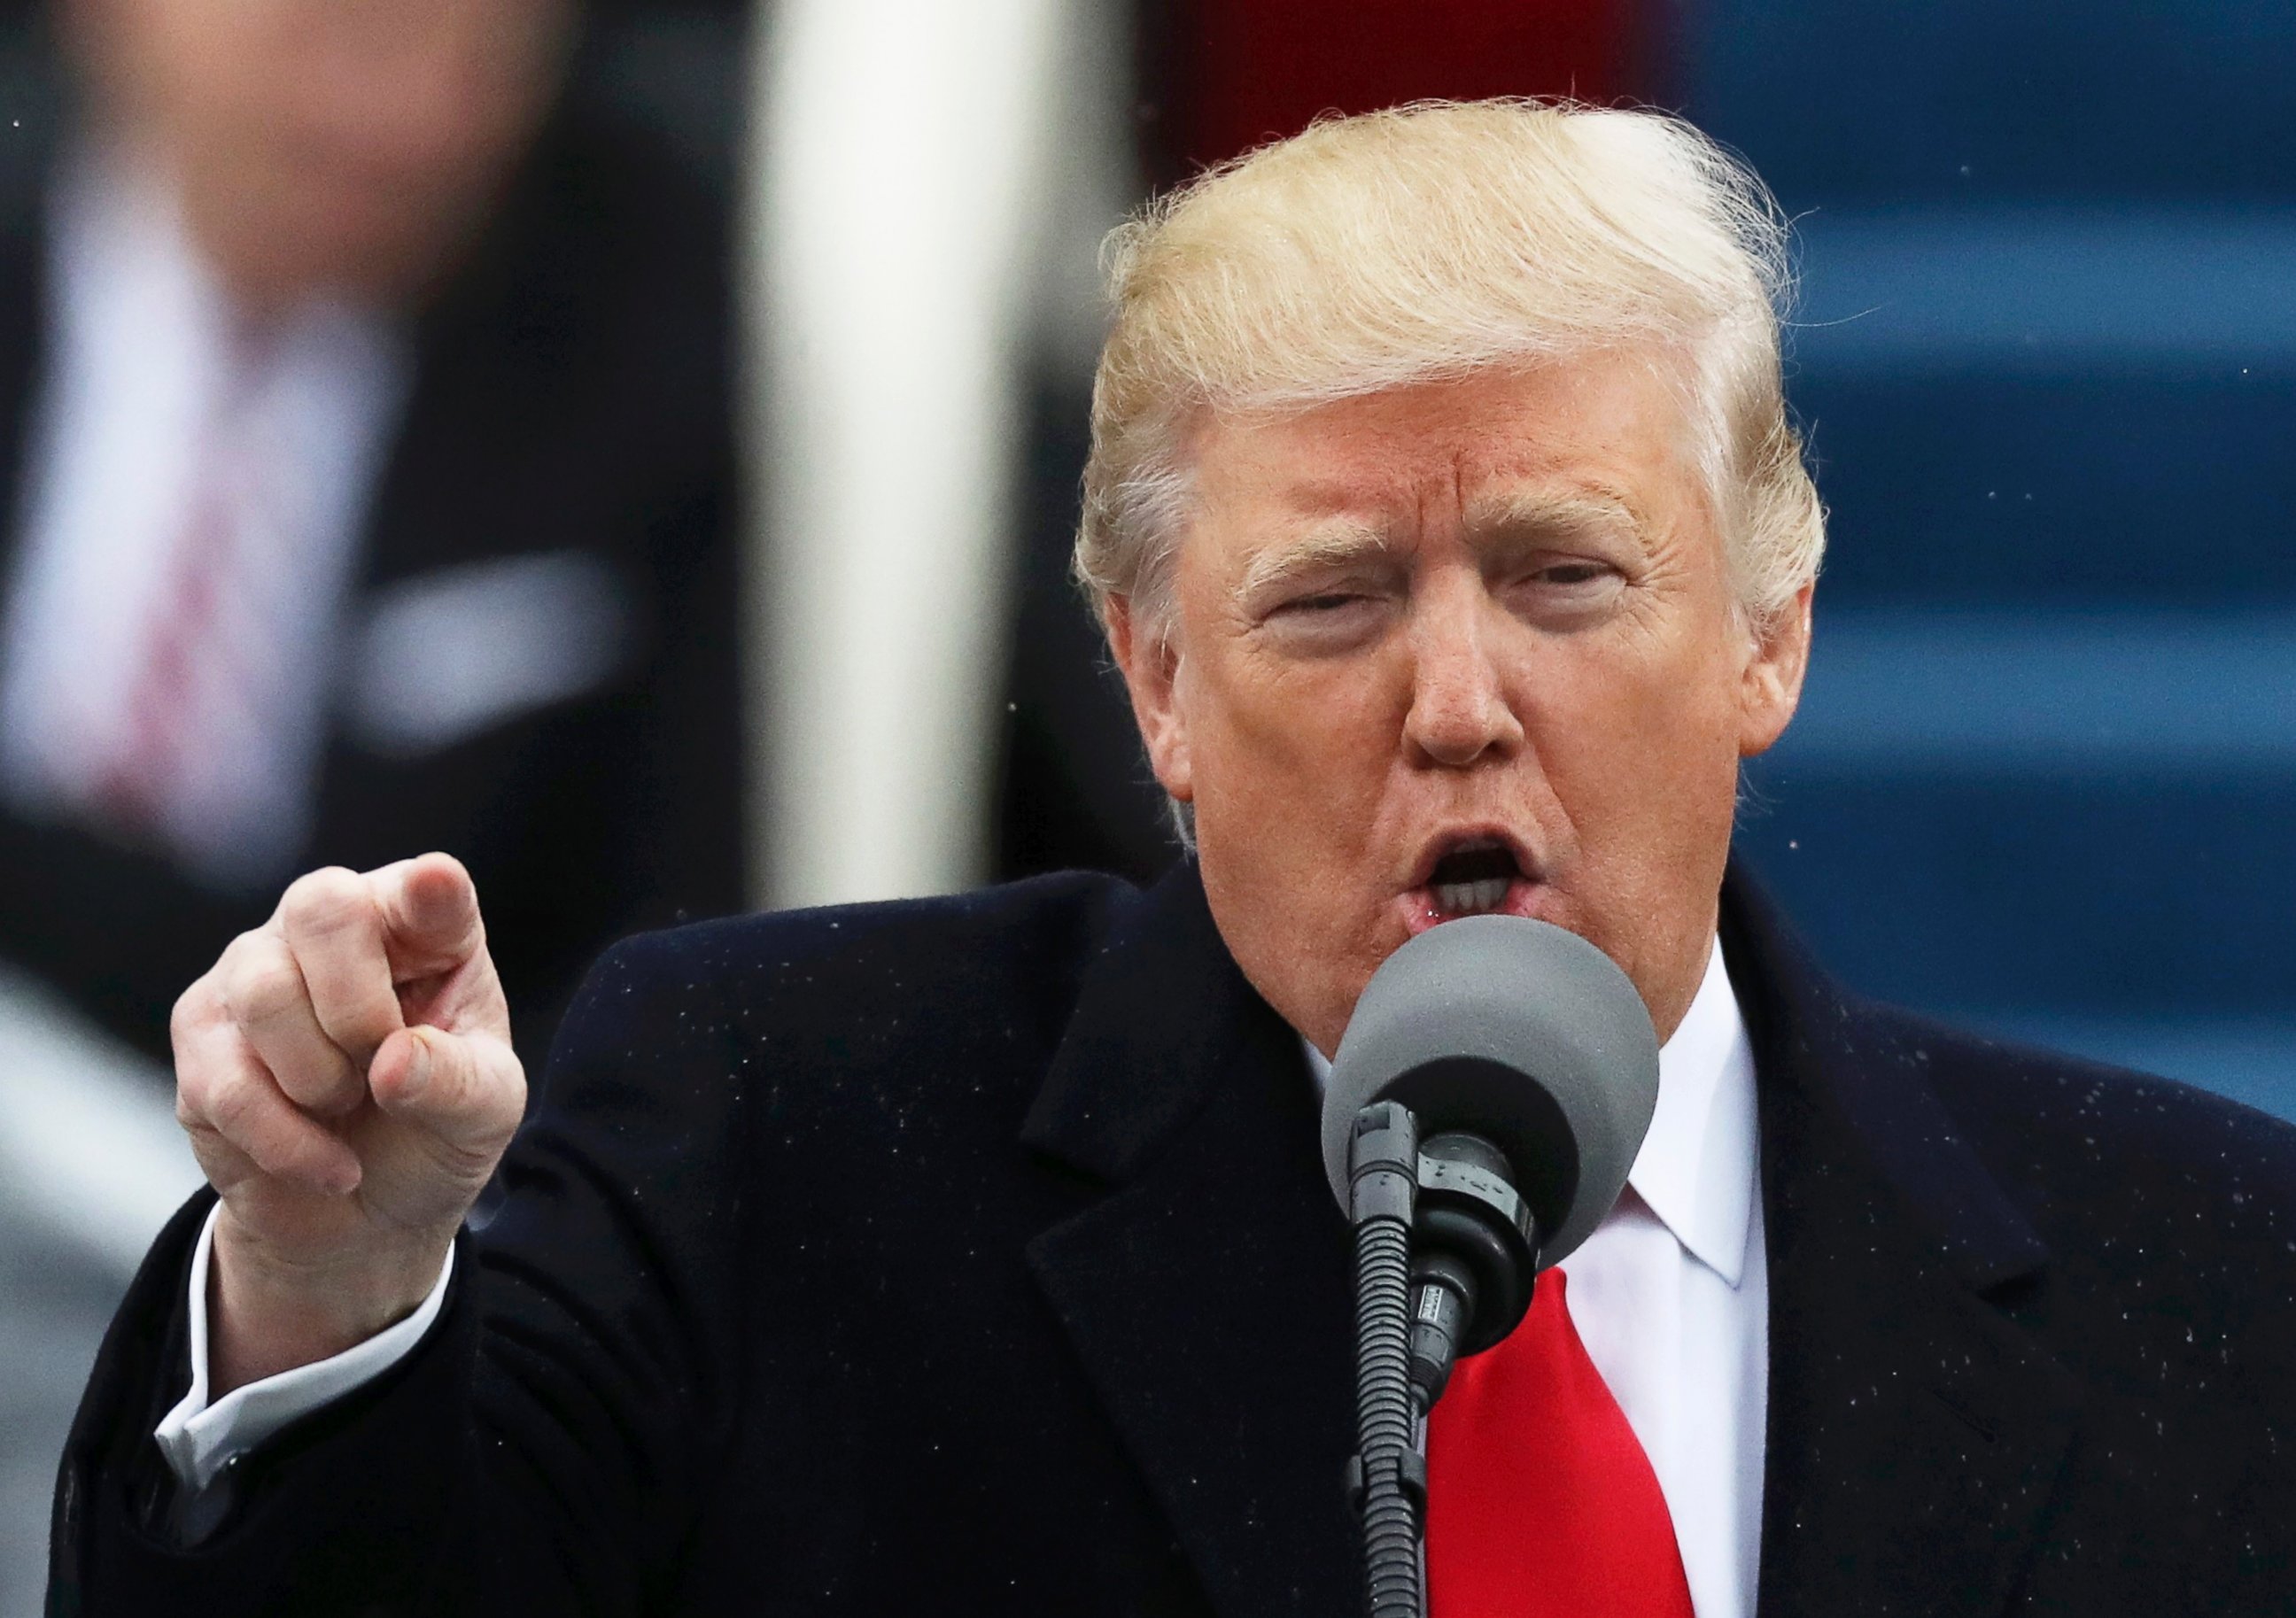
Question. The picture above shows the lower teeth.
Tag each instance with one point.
(1471, 898)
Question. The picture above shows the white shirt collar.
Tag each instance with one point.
(1698, 1164)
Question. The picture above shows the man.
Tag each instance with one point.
(975, 1256)
(326, 331)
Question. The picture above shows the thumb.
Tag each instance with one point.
(467, 1090)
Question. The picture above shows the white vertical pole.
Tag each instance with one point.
(902, 150)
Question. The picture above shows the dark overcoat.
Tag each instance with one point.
(973, 1255)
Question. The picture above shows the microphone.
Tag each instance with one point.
(1525, 1056)
(1485, 1104)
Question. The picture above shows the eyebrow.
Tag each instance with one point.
(1331, 545)
(1527, 515)
(1533, 514)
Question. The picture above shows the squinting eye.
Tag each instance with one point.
(1571, 573)
(1324, 621)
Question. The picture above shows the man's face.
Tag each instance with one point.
(1467, 645)
(326, 146)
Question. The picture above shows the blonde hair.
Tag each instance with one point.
(1433, 241)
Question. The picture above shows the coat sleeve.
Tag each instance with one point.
(547, 1447)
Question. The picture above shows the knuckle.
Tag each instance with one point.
(323, 901)
(235, 1105)
(193, 1094)
(236, 1111)
(189, 1010)
(328, 1086)
(225, 1101)
(263, 984)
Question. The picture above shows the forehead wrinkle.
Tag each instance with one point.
(1325, 546)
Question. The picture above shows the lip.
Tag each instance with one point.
(1418, 913)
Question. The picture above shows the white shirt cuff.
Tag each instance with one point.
(199, 1438)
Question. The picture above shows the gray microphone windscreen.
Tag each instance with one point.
(1520, 1033)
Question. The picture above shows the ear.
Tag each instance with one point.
(1770, 689)
(1150, 662)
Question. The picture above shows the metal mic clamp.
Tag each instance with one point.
(1474, 1257)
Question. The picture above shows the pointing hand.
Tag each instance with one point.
(345, 1076)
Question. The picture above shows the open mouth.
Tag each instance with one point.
(1473, 878)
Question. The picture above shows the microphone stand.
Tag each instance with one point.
(1446, 1252)
(1388, 1476)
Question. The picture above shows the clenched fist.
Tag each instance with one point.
(346, 1075)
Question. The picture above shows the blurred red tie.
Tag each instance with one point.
(1541, 1503)
(204, 671)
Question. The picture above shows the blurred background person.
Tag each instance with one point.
(366, 484)
(364, 405)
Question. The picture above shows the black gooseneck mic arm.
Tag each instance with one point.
(1446, 1254)
(1388, 1477)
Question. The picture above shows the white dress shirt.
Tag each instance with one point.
(159, 414)
(1671, 1296)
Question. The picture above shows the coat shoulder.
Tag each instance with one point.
(891, 992)
(2092, 1109)
(958, 937)
(2122, 1173)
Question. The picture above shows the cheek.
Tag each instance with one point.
(1305, 737)
(1290, 774)
(1639, 731)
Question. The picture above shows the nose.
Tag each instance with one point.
(1459, 707)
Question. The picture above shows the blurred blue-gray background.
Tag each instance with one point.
(2044, 779)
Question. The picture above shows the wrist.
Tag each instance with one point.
(269, 1313)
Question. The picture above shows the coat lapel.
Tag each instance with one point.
(1915, 1431)
(1207, 1292)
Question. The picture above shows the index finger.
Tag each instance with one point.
(334, 928)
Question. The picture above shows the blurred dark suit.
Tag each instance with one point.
(569, 400)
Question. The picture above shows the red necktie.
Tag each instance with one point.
(1541, 1503)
